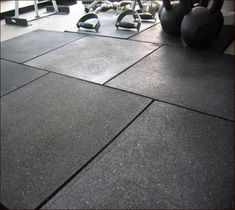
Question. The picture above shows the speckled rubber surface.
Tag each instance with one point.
(51, 128)
(169, 158)
(15, 75)
(33, 44)
(195, 79)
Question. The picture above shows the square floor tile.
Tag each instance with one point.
(51, 128)
(15, 75)
(95, 59)
(108, 28)
(169, 158)
(33, 44)
(195, 79)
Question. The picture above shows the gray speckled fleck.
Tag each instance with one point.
(108, 28)
(168, 158)
(15, 75)
(51, 128)
(93, 58)
(195, 79)
(30, 45)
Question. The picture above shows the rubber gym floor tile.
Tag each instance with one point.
(155, 34)
(195, 79)
(100, 189)
(33, 44)
(108, 28)
(169, 157)
(93, 58)
(15, 75)
(51, 128)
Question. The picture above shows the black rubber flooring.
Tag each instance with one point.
(14, 76)
(155, 132)
(195, 79)
(36, 43)
(169, 158)
(51, 128)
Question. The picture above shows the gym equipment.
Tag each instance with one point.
(135, 24)
(63, 10)
(219, 15)
(160, 10)
(66, 2)
(105, 5)
(55, 9)
(148, 10)
(116, 6)
(200, 26)
(82, 22)
(220, 21)
(123, 8)
(192, 3)
(172, 15)
(95, 4)
(202, 3)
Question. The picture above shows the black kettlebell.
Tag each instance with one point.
(203, 3)
(219, 15)
(199, 27)
(220, 21)
(172, 15)
(160, 10)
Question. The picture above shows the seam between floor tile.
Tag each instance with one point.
(137, 94)
(173, 104)
(144, 30)
(25, 84)
(92, 158)
(149, 42)
(54, 49)
(95, 35)
(131, 65)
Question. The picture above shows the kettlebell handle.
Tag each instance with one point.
(216, 6)
(204, 3)
(201, 3)
(168, 6)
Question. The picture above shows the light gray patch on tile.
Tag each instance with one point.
(95, 59)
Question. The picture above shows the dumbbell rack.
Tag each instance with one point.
(51, 10)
